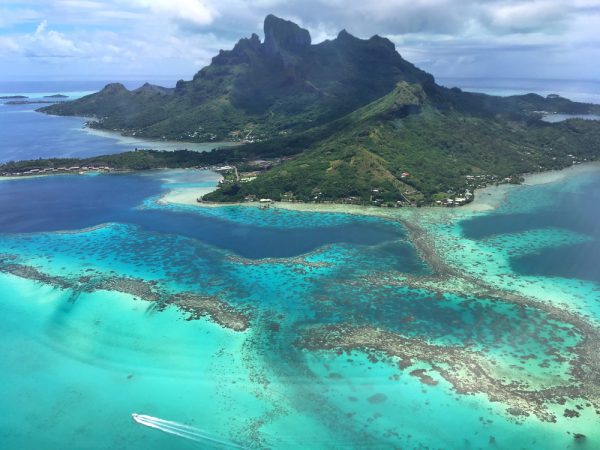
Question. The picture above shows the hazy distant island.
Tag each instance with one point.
(24, 100)
(32, 102)
(347, 120)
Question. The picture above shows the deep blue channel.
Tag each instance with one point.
(74, 202)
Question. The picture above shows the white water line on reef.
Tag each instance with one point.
(180, 429)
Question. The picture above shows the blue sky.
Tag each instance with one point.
(171, 39)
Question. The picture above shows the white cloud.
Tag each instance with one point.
(527, 16)
(80, 4)
(49, 43)
(13, 16)
(179, 36)
(42, 43)
(40, 28)
(9, 45)
(193, 12)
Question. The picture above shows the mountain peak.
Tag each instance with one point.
(278, 82)
(344, 35)
(114, 88)
(284, 35)
(382, 40)
(148, 88)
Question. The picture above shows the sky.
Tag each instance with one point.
(165, 40)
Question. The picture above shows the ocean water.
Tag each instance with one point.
(554, 118)
(428, 328)
(27, 134)
(587, 91)
(567, 208)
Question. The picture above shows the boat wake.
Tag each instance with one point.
(181, 430)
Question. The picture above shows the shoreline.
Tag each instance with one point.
(552, 176)
(142, 142)
(493, 196)
(486, 199)
(154, 144)
(468, 373)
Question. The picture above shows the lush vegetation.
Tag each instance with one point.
(135, 160)
(353, 120)
(256, 91)
(403, 148)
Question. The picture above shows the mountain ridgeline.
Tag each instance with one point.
(257, 90)
(353, 119)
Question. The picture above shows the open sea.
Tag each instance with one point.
(27, 134)
(429, 328)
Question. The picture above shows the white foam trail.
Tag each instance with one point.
(180, 429)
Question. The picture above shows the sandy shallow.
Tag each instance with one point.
(157, 144)
(486, 199)
(492, 197)
(553, 176)
(460, 255)
(185, 196)
(189, 196)
(12, 178)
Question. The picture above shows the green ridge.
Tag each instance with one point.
(344, 120)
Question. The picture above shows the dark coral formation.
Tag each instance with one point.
(195, 305)
(467, 370)
(219, 311)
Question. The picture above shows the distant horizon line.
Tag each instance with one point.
(175, 78)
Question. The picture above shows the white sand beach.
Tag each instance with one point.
(486, 199)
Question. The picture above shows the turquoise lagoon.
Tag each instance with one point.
(27, 134)
(90, 332)
(77, 362)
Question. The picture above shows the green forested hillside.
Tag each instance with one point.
(256, 91)
(344, 120)
(402, 147)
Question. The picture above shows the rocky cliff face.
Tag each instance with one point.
(282, 84)
(284, 42)
(284, 38)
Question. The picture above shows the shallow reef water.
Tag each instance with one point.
(285, 329)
